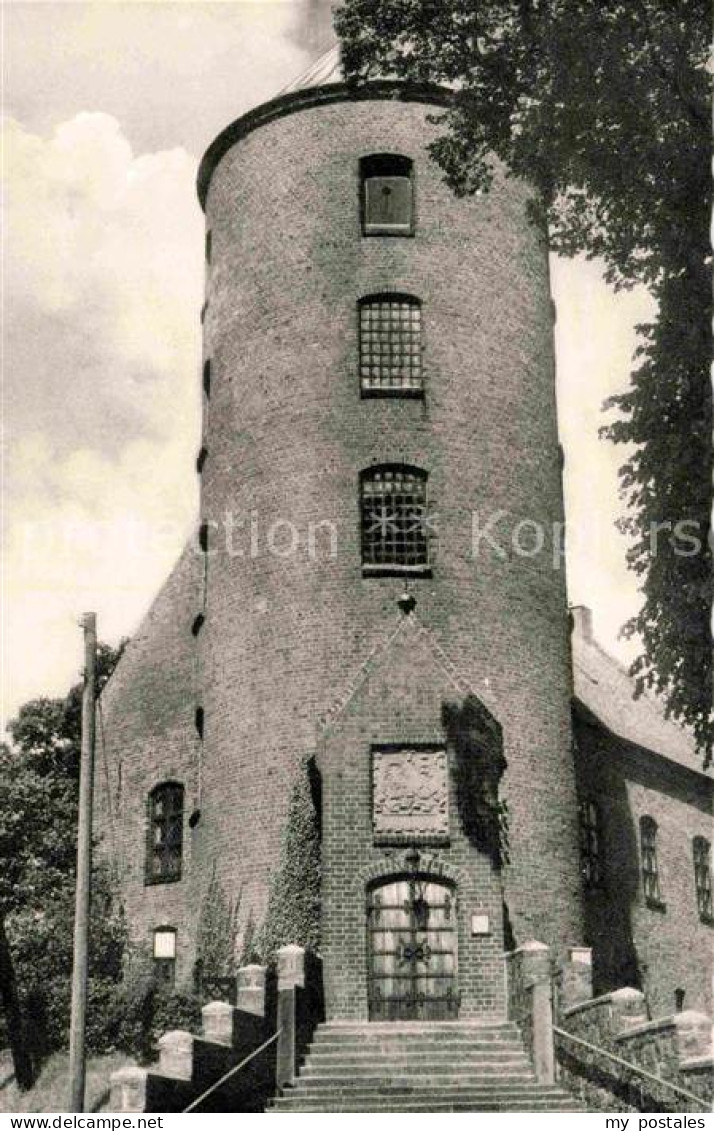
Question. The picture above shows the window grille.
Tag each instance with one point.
(165, 844)
(703, 877)
(394, 518)
(390, 336)
(591, 857)
(650, 867)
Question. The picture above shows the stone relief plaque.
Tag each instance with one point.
(410, 792)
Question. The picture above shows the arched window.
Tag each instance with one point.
(165, 955)
(390, 345)
(701, 849)
(387, 189)
(394, 519)
(165, 833)
(648, 859)
(591, 855)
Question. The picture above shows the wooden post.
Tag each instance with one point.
(84, 867)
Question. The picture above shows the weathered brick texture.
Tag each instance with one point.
(287, 435)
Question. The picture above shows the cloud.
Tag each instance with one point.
(103, 270)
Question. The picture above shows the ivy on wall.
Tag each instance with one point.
(477, 741)
(293, 913)
(216, 933)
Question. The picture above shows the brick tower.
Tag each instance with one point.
(378, 388)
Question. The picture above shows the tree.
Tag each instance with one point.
(602, 106)
(39, 789)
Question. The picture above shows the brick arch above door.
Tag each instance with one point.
(401, 864)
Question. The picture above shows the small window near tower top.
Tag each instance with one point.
(165, 955)
(387, 188)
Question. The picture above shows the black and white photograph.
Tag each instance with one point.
(357, 562)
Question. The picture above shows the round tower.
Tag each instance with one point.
(381, 513)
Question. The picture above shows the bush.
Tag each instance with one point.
(146, 1010)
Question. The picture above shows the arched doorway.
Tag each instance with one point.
(411, 946)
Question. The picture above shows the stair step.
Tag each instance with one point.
(432, 1080)
(483, 1054)
(566, 1104)
(453, 1092)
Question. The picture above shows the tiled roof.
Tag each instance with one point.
(604, 687)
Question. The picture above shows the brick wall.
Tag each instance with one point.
(288, 434)
(656, 949)
(146, 735)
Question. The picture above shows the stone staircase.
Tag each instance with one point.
(416, 1066)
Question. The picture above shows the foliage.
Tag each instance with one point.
(39, 786)
(479, 766)
(144, 1010)
(603, 107)
(216, 932)
(293, 914)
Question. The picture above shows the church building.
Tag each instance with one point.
(376, 599)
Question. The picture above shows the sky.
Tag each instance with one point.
(108, 108)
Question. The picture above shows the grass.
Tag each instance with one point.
(49, 1093)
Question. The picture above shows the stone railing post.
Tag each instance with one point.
(629, 1009)
(536, 977)
(251, 989)
(291, 975)
(577, 979)
(176, 1054)
(218, 1022)
(128, 1088)
(694, 1037)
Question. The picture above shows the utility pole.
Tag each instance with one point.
(84, 867)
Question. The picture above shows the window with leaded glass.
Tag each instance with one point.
(648, 859)
(387, 188)
(165, 833)
(394, 519)
(390, 349)
(703, 877)
(591, 856)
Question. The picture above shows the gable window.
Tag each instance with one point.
(165, 833)
(701, 849)
(394, 519)
(390, 345)
(591, 860)
(165, 955)
(650, 867)
(387, 188)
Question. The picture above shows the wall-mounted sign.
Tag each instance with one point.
(480, 923)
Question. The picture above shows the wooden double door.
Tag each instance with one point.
(411, 936)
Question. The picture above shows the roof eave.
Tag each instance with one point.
(306, 99)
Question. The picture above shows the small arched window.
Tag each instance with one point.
(387, 191)
(591, 854)
(701, 849)
(649, 864)
(390, 345)
(165, 833)
(393, 504)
